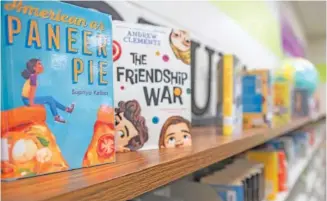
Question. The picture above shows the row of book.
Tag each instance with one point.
(112, 87)
(256, 175)
(311, 184)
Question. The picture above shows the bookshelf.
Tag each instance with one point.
(298, 169)
(138, 172)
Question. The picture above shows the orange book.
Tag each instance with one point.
(282, 171)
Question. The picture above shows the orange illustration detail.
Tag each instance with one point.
(102, 146)
(29, 147)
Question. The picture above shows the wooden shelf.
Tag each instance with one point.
(138, 172)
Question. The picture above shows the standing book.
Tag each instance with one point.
(257, 99)
(270, 161)
(57, 88)
(152, 87)
(301, 103)
(282, 103)
(230, 112)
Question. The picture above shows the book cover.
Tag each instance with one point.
(253, 175)
(152, 87)
(230, 110)
(257, 99)
(57, 88)
(236, 181)
(226, 185)
(270, 161)
(282, 103)
(233, 192)
(300, 98)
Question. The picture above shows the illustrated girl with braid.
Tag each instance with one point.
(33, 69)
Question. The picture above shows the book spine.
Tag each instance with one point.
(228, 83)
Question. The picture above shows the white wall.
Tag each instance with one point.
(210, 25)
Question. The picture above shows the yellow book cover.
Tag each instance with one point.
(230, 95)
(270, 161)
(257, 99)
(282, 103)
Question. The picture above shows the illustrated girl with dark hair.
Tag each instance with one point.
(131, 130)
(175, 133)
(33, 69)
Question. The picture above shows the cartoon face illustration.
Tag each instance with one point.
(180, 39)
(180, 43)
(131, 130)
(38, 67)
(175, 133)
(125, 130)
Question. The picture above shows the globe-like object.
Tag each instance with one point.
(300, 72)
(286, 71)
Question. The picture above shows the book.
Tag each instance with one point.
(301, 143)
(300, 98)
(282, 103)
(282, 171)
(57, 88)
(280, 146)
(229, 88)
(270, 161)
(254, 171)
(257, 99)
(239, 180)
(289, 150)
(152, 87)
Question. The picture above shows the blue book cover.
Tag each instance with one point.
(257, 101)
(252, 97)
(233, 192)
(56, 88)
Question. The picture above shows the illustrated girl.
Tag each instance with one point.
(175, 133)
(33, 69)
(180, 43)
(131, 130)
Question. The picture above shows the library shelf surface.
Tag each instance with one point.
(135, 173)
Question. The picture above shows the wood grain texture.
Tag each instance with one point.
(138, 172)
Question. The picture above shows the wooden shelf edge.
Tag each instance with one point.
(128, 178)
